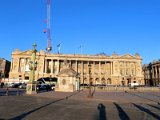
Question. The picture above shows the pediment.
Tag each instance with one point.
(128, 56)
(28, 52)
(67, 72)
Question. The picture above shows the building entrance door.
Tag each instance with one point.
(128, 81)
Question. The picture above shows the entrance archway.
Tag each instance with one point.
(97, 81)
(103, 81)
(109, 82)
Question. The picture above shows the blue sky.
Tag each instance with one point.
(121, 26)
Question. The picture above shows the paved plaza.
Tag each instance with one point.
(105, 105)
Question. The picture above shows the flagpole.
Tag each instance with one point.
(59, 48)
(80, 49)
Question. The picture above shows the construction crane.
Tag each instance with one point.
(49, 48)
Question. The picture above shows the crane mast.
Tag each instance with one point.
(49, 48)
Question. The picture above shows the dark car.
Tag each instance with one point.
(16, 85)
(43, 87)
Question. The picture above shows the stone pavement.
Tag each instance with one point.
(76, 106)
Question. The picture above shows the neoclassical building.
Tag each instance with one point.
(96, 69)
(151, 73)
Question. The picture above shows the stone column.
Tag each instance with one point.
(70, 63)
(158, 74)
(58, 66)
(51, 66)
(18, 68)
(125, 68)
(76, 66)
(111, 69)
(87, 69)
(88, 72)
(106, 72)
(45, 64)
(99, 69)
(135, 71)
(24, 64)
(93, 68)
(153, 78)
(82, 72)
(93, 73)
(12, 64)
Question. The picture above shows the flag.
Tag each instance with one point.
(80, 48)
(59, 47)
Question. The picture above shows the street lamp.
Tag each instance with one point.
(90, 92)
(31, 85)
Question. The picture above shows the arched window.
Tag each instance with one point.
(85, 80)
(97, 81)
(109, 81)
(103, 81)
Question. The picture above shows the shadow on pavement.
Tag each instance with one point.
(94, 90)
(142, 97)
(150, 94)
(73, 94)
(121, 112)
(29, 112)
(147, 111)
(102, 112)
(158, 108)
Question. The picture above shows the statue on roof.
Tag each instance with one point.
(114, 54)
(137, 54)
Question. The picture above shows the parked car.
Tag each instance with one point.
(16, 85)
(10, 85)
(45, 84)
(43, 87)
(22, 86)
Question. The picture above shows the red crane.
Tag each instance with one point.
(49, 48)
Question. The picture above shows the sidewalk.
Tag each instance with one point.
(77, 106)
(110, 96)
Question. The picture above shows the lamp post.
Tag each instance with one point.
(90, 92)
(31, 85)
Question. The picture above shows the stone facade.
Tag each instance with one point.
(4, 68)
(152, 73)
(98, 69)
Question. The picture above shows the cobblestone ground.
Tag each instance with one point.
(77, 106)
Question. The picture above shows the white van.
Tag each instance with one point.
(133, 84)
